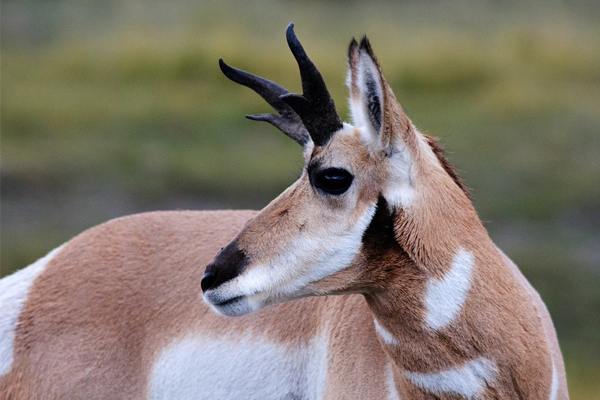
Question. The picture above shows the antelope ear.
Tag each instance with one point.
(373, 105)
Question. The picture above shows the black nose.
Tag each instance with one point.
(208, 281)
(229, 263)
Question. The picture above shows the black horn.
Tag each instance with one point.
(287, 121)
(315, 105)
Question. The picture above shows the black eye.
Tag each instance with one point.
(332, 180)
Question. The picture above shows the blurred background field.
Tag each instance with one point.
(115, 107)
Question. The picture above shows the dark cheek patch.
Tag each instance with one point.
(380, 233)
(384, 258)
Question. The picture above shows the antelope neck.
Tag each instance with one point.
(420, 323)
(419, 312)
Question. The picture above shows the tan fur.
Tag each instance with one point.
(117, 294)
(86, 334)
(115, 297)
(107, 301)
(501, 319)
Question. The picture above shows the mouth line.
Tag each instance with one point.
(227, 302)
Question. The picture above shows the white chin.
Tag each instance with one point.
(234, 308)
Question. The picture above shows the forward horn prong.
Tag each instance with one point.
(288, 121)
(311, 115)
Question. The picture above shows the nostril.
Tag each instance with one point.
(227, 265)
(208, 281)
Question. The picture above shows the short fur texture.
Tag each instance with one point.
(423, 304)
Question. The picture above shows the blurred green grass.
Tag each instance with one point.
(112, 108)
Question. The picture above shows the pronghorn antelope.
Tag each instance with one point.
(427, 306)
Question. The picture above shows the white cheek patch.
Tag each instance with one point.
(308, 258)
(445, 298)
(13, 294)
(246, 368)
(469, 380)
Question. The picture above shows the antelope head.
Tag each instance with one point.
(367, 191)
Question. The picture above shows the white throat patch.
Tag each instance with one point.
(391, 383)
(386, 336)
(468, 381)
(444, 298)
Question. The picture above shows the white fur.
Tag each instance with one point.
(390, 382)
(234, 368)
(468, 380)
(360, 119)
(384, 334)
(358, 101)
(308, 258)
(554, 387)
(13, 294)
(445, 298)
(346, 130)
(425, 150)
(400, 190)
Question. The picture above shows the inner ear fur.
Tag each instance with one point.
(372, 102)
(366, 93)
